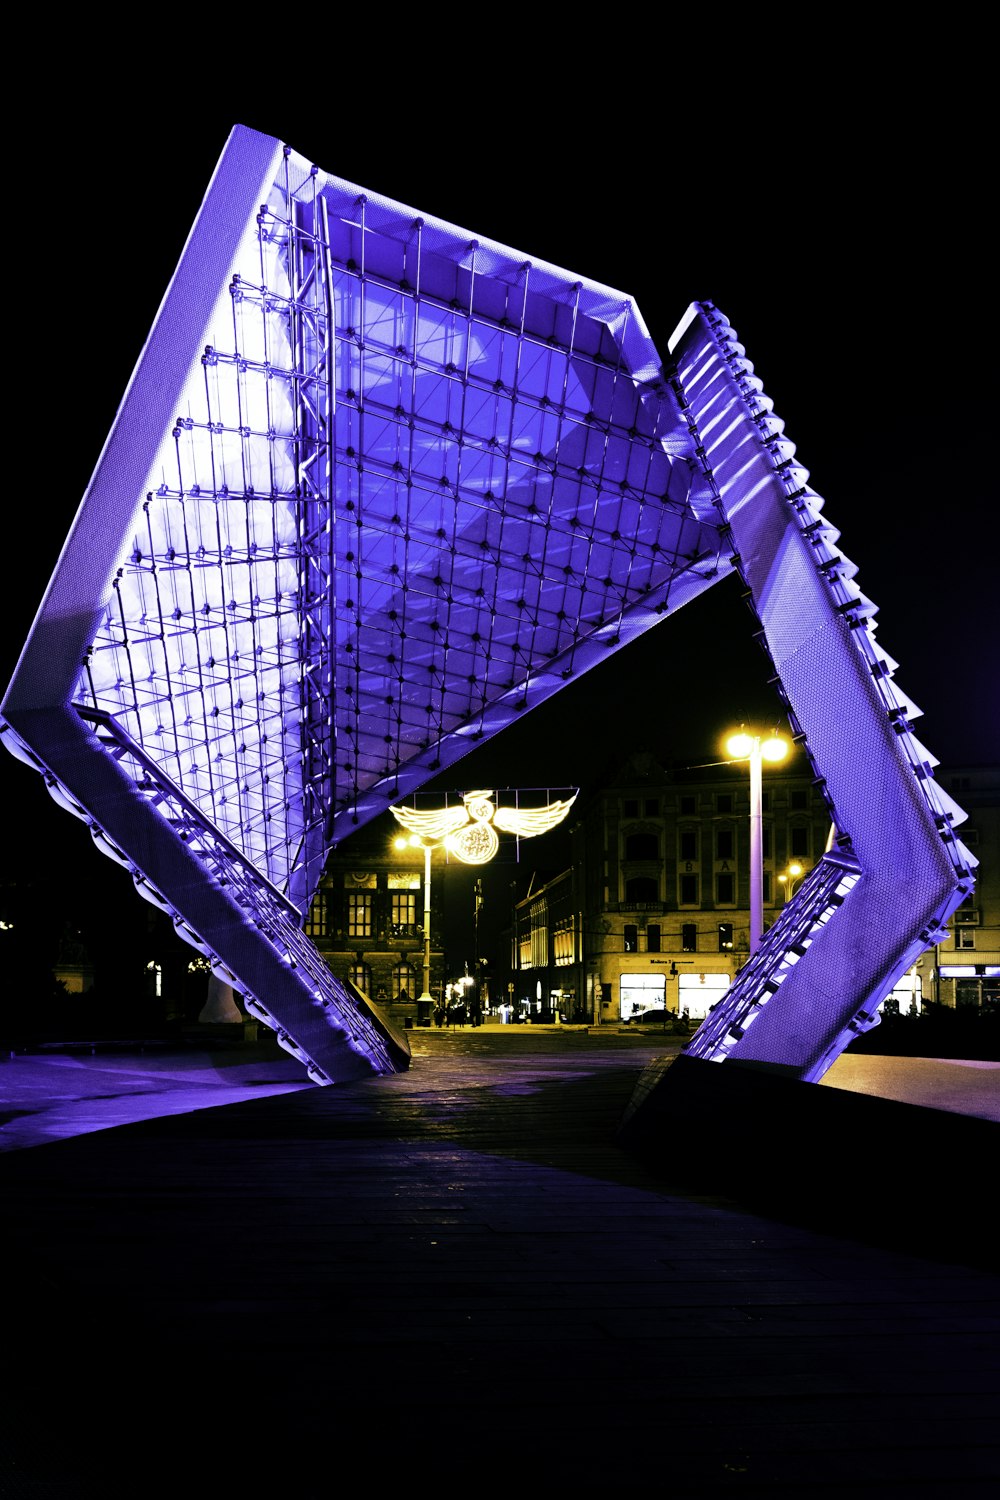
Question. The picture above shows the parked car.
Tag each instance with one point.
(666, 1020)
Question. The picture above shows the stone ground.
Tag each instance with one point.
(469, 1275)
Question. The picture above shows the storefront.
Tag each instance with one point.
(973, 984)
(641, 992)
(698, 993)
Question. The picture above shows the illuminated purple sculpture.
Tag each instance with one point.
(375, 489)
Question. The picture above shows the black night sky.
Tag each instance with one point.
(843, 230)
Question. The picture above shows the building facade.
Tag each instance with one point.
(653, 914)
(367, 921)
(964, 968)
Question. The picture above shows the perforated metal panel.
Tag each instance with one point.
(899, 869)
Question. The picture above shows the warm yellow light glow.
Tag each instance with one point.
(795, 869)
(468, 831)
(743, 746)
(740, 746)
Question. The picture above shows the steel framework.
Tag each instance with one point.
(378, 487)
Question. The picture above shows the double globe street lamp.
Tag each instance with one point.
(791, 879)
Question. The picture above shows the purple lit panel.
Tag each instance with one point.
(898, 869)
(376, 488)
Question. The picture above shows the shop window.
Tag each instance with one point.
(630, 938)
(653, 938)
(689, 890)
(725, 937)
(689, 938)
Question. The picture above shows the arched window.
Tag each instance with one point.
(361, 975)
(404, 982)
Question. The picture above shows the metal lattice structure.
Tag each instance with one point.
(376, 489)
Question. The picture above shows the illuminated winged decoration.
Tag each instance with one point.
(469, 832)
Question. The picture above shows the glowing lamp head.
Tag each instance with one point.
(743, 746)
(774, 748)
(740, 746)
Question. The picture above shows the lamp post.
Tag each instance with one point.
(752, 748)
(425, 1000)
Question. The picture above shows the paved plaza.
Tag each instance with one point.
(461, 1275)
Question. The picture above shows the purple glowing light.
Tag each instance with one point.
(375, 489)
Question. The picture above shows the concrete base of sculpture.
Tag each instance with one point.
(846, 1163)
(220, 1007)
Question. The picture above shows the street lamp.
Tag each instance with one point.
(752, 748)
(791, 879)
(425, 1000)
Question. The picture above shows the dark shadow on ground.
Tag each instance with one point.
(877, 1170)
